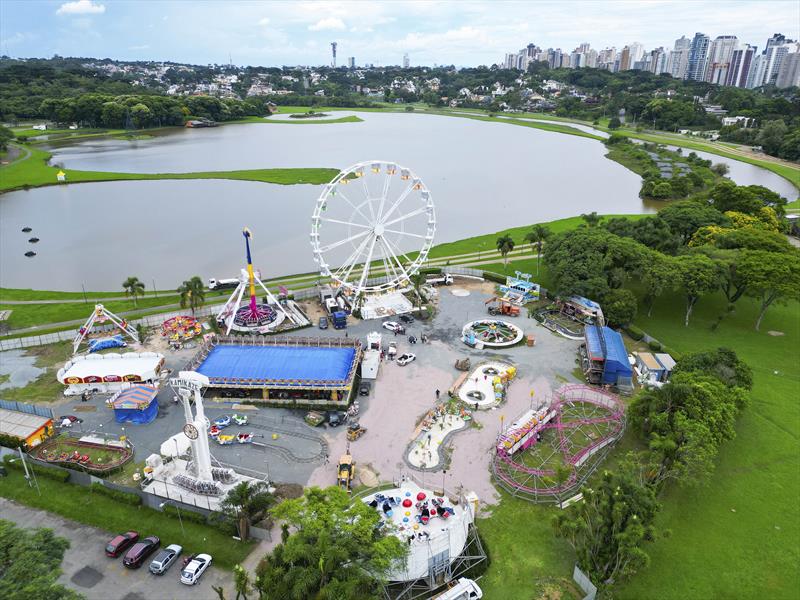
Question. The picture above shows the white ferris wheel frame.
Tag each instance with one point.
(354, 274)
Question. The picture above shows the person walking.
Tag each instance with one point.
(437, 394)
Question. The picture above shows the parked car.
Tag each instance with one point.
(364, 388)
(165, 558)
(323, 322)
(191, 573)
(122, 542)
(393, 326)
(140, 551)
(335, 418)
(67, 421)
(404, 359)
(406, 318)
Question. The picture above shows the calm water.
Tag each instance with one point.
(483, 178)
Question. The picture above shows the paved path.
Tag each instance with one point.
(87, 570)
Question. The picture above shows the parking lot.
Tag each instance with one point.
(87, 569)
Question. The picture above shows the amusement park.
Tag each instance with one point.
(421, 391)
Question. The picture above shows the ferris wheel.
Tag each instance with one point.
(372, 227)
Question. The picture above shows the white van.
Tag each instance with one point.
(465, 589)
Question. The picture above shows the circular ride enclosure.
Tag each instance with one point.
(492, 333)
(84, 456)
(547, 454)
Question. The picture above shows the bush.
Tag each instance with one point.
(634, 332)
(186, 515)
(9, 441)
(655, 346)
(124, 497)
(496, 277)
(48, 472)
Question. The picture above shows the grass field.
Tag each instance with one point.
(80, 504)
(35, 172)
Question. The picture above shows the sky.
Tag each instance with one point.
(463, 33)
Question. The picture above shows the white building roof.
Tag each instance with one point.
(144, 364)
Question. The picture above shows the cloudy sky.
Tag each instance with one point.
(277, 33)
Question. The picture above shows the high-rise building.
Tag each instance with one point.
(758, 69)
(739, 69)
(637, 52)
(333, 54)
(789, 73)
(720, 53)
(658, 61)
(625, 59)
(678, 59)
(351, 62)
(406, 61)
(510, 61)
(698, 52)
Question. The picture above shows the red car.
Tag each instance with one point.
(140, 551)
(121, 543)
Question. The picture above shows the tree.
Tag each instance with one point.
(685, 421)
(133, 288)
(657, 275)
(6, 135)
(505, 244)
(537, 235)
(722, 363)
(241, 579)
(720, 169)
(337, 549)
(244, 503)
(608, 528)
(591, 219)
(770, 138)
(662, 190)
(619, 307)
(698, 276)
(193, 293)
(417, 281)
(687, 216)
(772, 278)
(614, 123)
(30, 561)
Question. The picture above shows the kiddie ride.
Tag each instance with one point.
(346, 471)
(355, 431)
(220, 423)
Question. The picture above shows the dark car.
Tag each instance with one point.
(364, 388)
(122, 542)
(406, 318)
(335, 418)
(140, 551)
(323, 322)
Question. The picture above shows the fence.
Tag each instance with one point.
(584, 583)
(31, 409)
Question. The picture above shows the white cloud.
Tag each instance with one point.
(81, 7)
(264, 21)
(327, 24)
(142, 47)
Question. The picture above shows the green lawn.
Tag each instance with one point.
(34, 172)
(320, 121)
(81, 504)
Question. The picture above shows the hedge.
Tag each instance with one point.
(634, 332)
(655, 346)
(48, 472)
(124, 497)
(496, 277)
(9, 441)
(186, 515)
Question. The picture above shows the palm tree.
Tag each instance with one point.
(505, 244)
(245, 502)
(417, 281)
(537, 235)
(133, 288)
(592, 219)
(193, 293)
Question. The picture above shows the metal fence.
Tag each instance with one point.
(31, 409)
(584, 583)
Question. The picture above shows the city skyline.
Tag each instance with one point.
(278, 33)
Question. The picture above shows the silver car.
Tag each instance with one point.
(164, 559)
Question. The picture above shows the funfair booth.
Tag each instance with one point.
(280, 371)
(110, 373)
(137, 404)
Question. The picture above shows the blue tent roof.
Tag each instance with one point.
(585, 302)
(603, 343)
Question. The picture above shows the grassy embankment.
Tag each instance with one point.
(84, 506)
(34, 172)
(746, 520)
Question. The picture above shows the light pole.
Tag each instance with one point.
(180, 519)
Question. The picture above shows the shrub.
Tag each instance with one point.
(634, 332)
(186, 515)
(9, 441)
(496, 277)
(124, 497)
(48, 472)
(655, 346)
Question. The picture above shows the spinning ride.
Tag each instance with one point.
(368, 220)
(251, 317)
(490, 333)
(548, 453)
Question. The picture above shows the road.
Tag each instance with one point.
(87, 570)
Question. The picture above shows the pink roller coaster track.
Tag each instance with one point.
(504, 465)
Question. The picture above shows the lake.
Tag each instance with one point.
(483, 177)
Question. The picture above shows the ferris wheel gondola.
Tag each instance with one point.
(376, 220)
